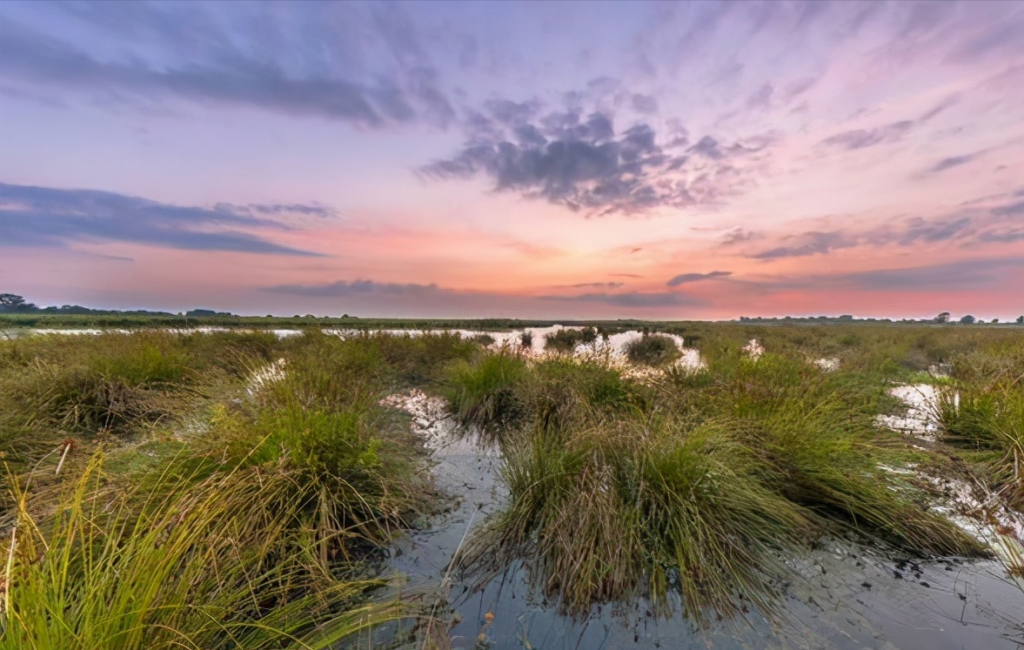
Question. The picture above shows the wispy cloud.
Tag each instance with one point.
(203, 59)
(686, 278)
(634, 299)
(343, 288)
(809, 243)
(595, 285)
(953, 161)
(53, 218)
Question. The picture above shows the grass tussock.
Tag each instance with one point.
(652, 350)
(213, 564)
(695, 488)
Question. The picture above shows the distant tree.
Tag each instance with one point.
(967, 320)
(994, 320)
(1020, 320)
(11, 301)
(942, 318)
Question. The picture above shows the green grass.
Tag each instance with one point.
(695, 488)
(213, 564)
(229, 519)
(652, 350)
(987, 422)
(481, 394)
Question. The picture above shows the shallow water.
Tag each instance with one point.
(848, 598)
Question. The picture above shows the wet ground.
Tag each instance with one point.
(848, 597)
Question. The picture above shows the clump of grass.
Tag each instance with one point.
(351, 483)
(214, 564)
(613, 513)
(526, 339)
(60, 386)
(483, 339)
(987, 420)
(695, 488)
(566, 340)
(652, 350)
(482, 394)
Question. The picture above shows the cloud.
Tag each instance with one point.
(1010, 210)
(310, 209)
(299, 65)
(634, 299)
(1002, 236)
(343, 288)
(933, 231)
(962, 275)
(696, 277)
(53, 218)
(582, 162)
(646, 104)
(861, 138)
(955, 161)
(937, 277)
(740, 235)
(809, 243)
(596, 285)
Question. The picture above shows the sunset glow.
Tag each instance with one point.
(678, 161)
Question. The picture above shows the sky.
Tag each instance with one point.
(703, 160)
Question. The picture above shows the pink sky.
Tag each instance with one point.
(552, 160)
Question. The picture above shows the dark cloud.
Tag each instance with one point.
(358, 287)
(248, 61)
(582, 162)
(809, 243)
(634, 299)
(696, 277)
(954, 161)
(53, 218)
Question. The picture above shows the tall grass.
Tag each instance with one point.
(213, 564)
(983, 414)
(694, 488)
